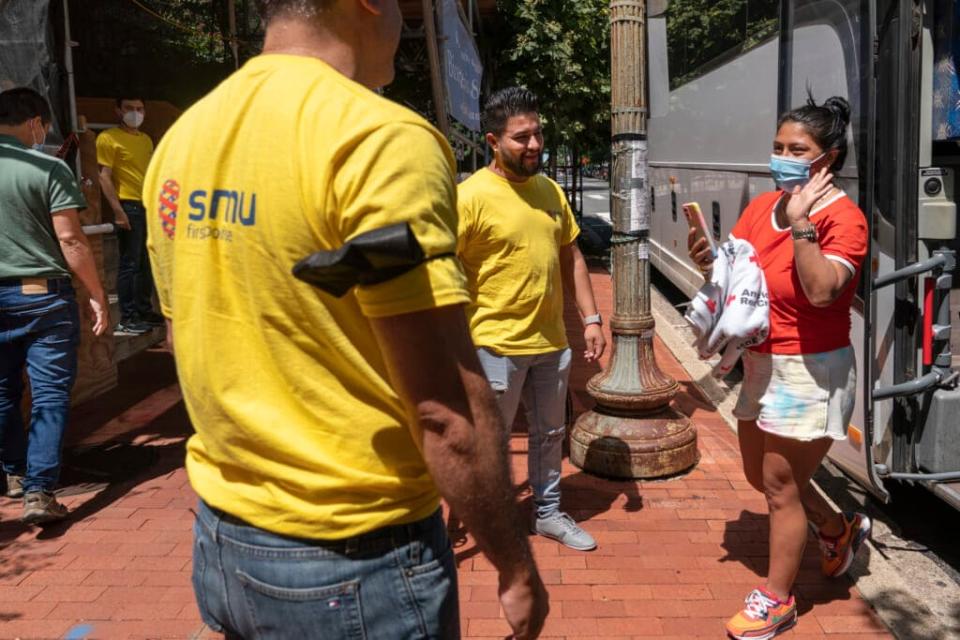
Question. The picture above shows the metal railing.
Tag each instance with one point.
(941, 264)
(941, 374)
(98, 229)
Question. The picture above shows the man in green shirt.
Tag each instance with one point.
(41, 245)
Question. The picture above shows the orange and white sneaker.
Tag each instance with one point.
(838, 553)
(763, 616)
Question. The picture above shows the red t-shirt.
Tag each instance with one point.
(796, 326)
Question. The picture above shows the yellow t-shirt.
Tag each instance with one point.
(298, 428)
(509, 241)
(127, 155)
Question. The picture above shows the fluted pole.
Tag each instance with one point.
(436, 68)
(632, 432)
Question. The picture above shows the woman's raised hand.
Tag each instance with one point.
(803, 199)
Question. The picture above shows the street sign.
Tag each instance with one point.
(461, 66)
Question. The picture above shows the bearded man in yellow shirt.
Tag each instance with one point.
(328, 425)
(517, 242)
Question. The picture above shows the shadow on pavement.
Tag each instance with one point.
(149, 444)
(586, 496)
(746, 541)
(905, 621)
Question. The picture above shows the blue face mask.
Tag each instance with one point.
(790, 173)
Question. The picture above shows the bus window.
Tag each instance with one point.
(827, 56)
(946, 84)
(702, 34)
(888, 59)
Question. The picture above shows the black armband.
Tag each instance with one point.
(369, 258)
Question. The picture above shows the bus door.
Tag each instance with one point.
(910, 397)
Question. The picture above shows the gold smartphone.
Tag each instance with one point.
(695, 217)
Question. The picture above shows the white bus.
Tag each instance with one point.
(730, 70)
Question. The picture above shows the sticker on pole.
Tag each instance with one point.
(639, 213)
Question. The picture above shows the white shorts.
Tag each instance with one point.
(801, 397)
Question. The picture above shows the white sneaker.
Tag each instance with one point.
(563, 529)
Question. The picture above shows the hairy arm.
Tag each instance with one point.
(463, 439)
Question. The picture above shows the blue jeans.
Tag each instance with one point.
(41, 332)
(134, 279)
(392, 583)
(541, 382)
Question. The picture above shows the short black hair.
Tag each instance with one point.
(270, 9)
(506, 103)
(120, 99)
(826, 124)
(21, 104)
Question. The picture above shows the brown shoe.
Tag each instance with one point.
(14, 486)
(40, 507)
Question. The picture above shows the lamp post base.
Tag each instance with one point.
(657, 444)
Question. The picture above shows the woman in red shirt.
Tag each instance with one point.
(799, 386)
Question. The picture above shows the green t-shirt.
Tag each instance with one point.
(33, 186)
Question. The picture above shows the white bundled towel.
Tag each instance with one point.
(732, 311)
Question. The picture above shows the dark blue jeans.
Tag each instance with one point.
(134, 280)
(394, 583)
(41, 332)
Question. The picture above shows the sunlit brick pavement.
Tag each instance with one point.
(675, 558)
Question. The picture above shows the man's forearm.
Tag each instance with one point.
(576, 278)
(110, 193)
(583, 288)
(435, 370)
(471, 468)
(82, 264)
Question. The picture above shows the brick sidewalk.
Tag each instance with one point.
(675, 558)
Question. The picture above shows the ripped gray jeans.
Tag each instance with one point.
(539, 380)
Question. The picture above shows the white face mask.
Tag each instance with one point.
(133, 119)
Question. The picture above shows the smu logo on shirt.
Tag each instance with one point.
(169, 195)
(234, 207)
(223, 209)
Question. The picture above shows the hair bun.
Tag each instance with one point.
(825, 123)
(840, 108)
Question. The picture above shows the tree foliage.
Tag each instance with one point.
(174, 50)
(179, 49)
(561, 51)
(202, 28)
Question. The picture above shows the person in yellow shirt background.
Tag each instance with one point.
(517, 242)
(123, 153)
(327, 426)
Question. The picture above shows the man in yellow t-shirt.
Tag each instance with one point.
(123, 154)
(517, 243)
(327, 428)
